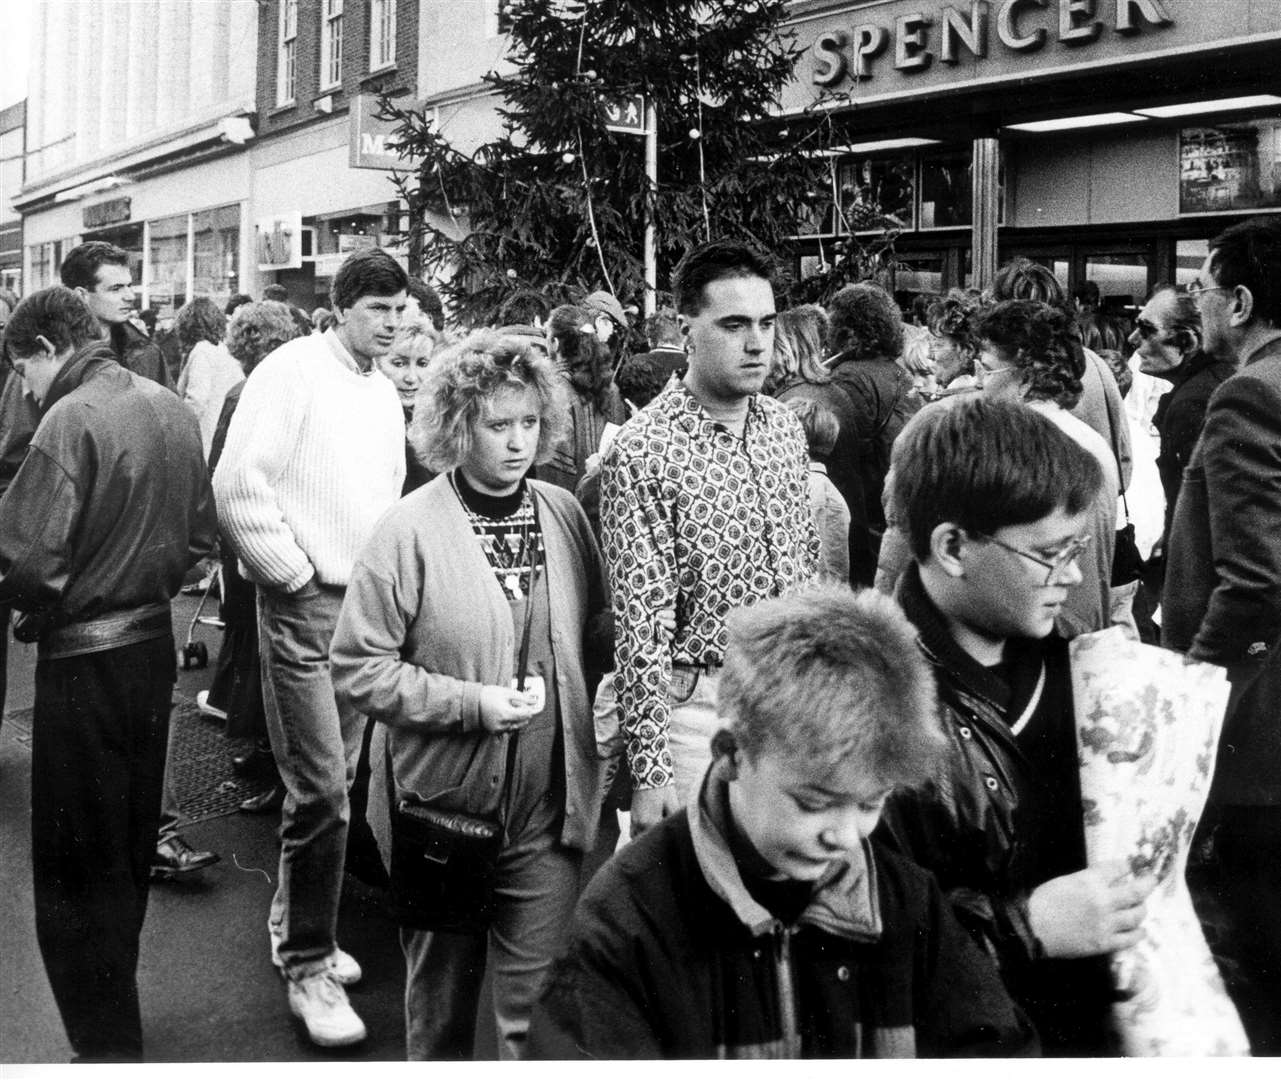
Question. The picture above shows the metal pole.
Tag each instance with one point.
(651, 177)
(986, 211)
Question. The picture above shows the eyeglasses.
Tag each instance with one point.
(1055, 562)
(1196, 289)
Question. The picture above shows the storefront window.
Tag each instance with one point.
(1188, 257)
(44, 264)
(167, 290)
(1230, 167)
(877, 193)
(216, 253)
(1119, 276)
(919, 274)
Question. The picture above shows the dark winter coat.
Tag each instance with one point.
(671, 957)
(1222, 596)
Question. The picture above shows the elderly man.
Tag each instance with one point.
(1222, 600)
(1167, 340)
(108, 510)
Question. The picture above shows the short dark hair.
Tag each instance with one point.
(953, 316)
(79, 270)
(276, 291)
(197, 320)
(1249, 254)
(639, 380)
(234, 301)
(866, 323)
(713, 261)
(1038, 340)
(428, 302)
(369, 272)
(820, 424)
(986, 465)
(823, 676)
(1022, 279)
(55, 313)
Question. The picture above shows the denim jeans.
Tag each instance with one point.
(315, 744)
(694, 721)
(97, 759)
(537, 888)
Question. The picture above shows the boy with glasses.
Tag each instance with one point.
(994, 498)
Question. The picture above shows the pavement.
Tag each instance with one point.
(209, 991)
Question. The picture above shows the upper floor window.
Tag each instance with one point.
(331, 45)
(382, 34)
(286, 52)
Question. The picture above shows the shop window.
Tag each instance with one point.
(216, 253)
(1230, 167)
(1122, 279)
(331, 45)
(382, 34)
(947, 185)
(875, 194)
(918, 273)
(1189, 255)
(167, 286)
(44, 264)
(287, 52)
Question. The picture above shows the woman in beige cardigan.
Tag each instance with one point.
(427, 643)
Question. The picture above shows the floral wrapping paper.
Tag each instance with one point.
(1148, 730)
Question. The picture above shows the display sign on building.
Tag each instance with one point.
(1230, 167)
(279, 241)
(369, 135)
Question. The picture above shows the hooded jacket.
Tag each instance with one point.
(670, 956)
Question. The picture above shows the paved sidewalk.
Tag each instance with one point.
(209, 991)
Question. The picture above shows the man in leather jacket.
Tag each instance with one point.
(109, 509)
(994, 498)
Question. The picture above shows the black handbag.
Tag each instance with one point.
(444, 862)
(1127, 563)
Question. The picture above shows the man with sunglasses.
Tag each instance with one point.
(995, 501)
(1167, 340)
(1222, 602)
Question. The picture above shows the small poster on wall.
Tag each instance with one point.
(1230, 167)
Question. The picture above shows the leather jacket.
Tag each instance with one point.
(112, 504)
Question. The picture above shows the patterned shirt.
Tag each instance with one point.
(697, 519)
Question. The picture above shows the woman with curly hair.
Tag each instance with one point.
(867, 334)
(1026, 354)
(456, 576)
(208, 369)
(576, 350)
(953, 346)
(235, 691)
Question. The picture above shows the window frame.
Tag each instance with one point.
(331, 44)
(382, 34)
(287, 54)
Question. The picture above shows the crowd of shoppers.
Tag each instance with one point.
(481, 590)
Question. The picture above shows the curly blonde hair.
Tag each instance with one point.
(462, 377)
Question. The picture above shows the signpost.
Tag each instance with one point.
(634, 115)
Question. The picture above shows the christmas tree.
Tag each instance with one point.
(558, 203)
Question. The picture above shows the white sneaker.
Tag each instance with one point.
(320, 1002)
(202, 703)
(342, 965)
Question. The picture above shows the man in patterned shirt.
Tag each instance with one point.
(704, 508)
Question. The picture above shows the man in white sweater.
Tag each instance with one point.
(315, 454)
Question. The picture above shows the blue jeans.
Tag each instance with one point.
(315, 744)
(536, 890)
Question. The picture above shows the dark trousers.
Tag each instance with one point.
(100, 728)
(1247, 878)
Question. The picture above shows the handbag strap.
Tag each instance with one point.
(523, 657)
(1116, 456)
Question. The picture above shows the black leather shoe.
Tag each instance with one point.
(265, 801)
(175, 857)
(255, 760)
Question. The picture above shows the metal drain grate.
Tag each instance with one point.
(203, 778)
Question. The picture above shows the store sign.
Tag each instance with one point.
(108, 213)
(368, 137)
(279, 242)
(349, 242)
(965, 34)
(327, 265)
(625, 115)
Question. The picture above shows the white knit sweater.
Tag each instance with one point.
(314, 456)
